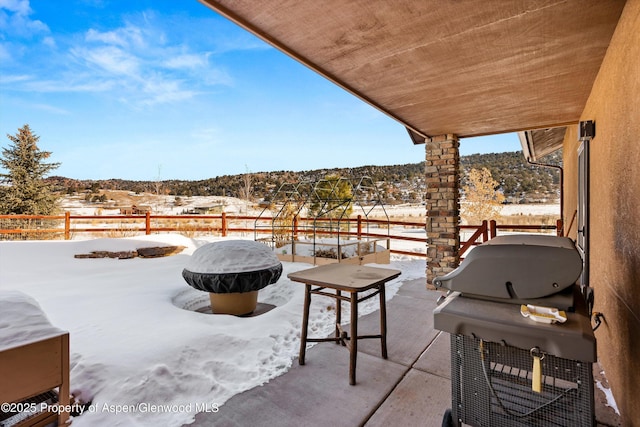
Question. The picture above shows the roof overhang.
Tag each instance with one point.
(465, 67)
(540, 142)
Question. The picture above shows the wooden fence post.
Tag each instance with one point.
(559, 228)
(147, 223)
(223, 225)
(295, 227)
(67, 225)
(359, 227)
(485, 231)
(493, 229)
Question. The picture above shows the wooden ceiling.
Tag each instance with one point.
(464, 67)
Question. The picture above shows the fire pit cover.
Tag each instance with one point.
(232, 266)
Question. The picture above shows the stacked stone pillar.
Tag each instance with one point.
(443, 205)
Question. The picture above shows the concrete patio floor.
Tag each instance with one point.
(411, 388)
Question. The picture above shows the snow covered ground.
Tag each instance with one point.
(160, 205)
(165, 205)
(136, 340)
(418, 210)
(532, 209)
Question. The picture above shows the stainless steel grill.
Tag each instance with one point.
(507, 370)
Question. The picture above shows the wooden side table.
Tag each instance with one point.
(351, 279)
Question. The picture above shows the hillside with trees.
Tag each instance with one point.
(519, 181)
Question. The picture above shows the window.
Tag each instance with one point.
(582, 242)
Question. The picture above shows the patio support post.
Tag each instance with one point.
(442, 170)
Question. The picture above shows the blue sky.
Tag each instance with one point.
(166, 89)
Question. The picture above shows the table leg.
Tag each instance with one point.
(383, 321)
(353, 341)
(305, 324)
(338, 316)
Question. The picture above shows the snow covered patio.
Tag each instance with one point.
(411, 388)
(139, 341)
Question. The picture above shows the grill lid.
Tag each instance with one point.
(516, 267)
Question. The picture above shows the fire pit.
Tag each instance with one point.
(232, 271)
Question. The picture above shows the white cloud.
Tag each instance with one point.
(51, 109)
(49, 41)
(5, 56)
(161, 91)
(215, 76)
(144, 62)
(110, 59)
(128, 56)
(187, 61)
(15, 20)
(79, 84)
(17, 6)
(152, 68)
(128, 36)
(16, 78)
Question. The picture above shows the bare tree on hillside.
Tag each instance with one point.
(246, 190)
(157, 183)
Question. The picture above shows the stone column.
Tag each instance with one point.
(443, 205)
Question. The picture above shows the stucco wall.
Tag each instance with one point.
(614, 104)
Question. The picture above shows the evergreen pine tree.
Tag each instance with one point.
(23, 189)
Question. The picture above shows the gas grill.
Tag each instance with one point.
(508, 369)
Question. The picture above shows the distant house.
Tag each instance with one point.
(205, 210)
(135, 210)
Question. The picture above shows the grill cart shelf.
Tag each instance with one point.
(492, 349)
